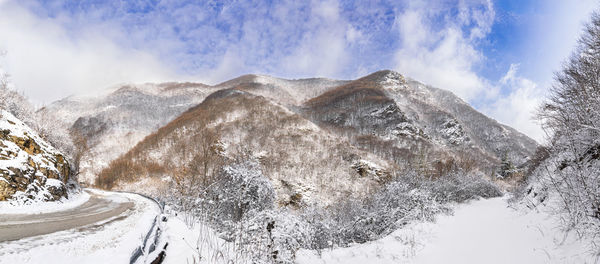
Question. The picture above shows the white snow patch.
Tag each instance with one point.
(199, 244)
(393, 81)
(484, 231)
(74, 200)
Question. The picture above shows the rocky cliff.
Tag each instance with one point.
(30, 169)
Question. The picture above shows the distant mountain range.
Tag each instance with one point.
(316, 139)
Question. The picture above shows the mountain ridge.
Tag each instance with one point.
(434, 116)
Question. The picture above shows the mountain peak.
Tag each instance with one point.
(400, 111)
(385, 77)
(248, 78)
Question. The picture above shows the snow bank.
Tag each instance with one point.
(484, 231)
(199, 244)
(75, 199)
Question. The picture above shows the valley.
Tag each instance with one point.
(347, 164)
(299, 132)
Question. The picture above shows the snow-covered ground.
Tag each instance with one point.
(112, 240)
(199, 245)
(74, 200)
(483, 231)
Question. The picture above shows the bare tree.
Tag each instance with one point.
(572, 116)
(4, 92)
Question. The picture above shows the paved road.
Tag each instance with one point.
(97, 208)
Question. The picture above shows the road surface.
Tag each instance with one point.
(97, 208)
(107, 228)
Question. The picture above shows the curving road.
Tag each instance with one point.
(97, 208)
(107, 228)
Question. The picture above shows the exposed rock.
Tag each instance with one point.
(30, 169)
(366, 168)
(453, 132)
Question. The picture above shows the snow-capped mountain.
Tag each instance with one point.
(111, 124)
(287, 92)
(397, 119)
(391, 114)
(304, 163)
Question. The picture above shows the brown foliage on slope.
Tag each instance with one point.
(299, 158)
(359, 91)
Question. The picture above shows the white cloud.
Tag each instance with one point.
(518, 107)
(289, 40)
(443, 55)
(510, 74)
(56, 52)
(353, 35)
(47, 63)
(322, 50)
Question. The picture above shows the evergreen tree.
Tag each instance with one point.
(506, 167)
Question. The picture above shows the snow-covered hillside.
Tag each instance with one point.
(565, 173)
(30, 169)
(385, 109)
(431, 121)
(287, 92)
(109, 125)
(294, 153)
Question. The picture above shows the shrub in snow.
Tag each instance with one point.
(570, 177)
(409, 197)
(507, 169)
(272, 236)
(458, 186)
(239, 204)
(241, 189)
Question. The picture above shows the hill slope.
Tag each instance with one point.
(111, 124)
(403, 120)
(30, 169)
(304, 164)
(399, 120)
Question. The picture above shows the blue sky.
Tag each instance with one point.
(497, 55)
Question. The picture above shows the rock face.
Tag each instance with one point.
(401, 119)
(30, 169)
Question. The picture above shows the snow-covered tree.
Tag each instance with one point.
(242, 189)
(572, 115)
(15, 103)
(507, 168)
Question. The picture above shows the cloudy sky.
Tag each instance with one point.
(497, 55)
